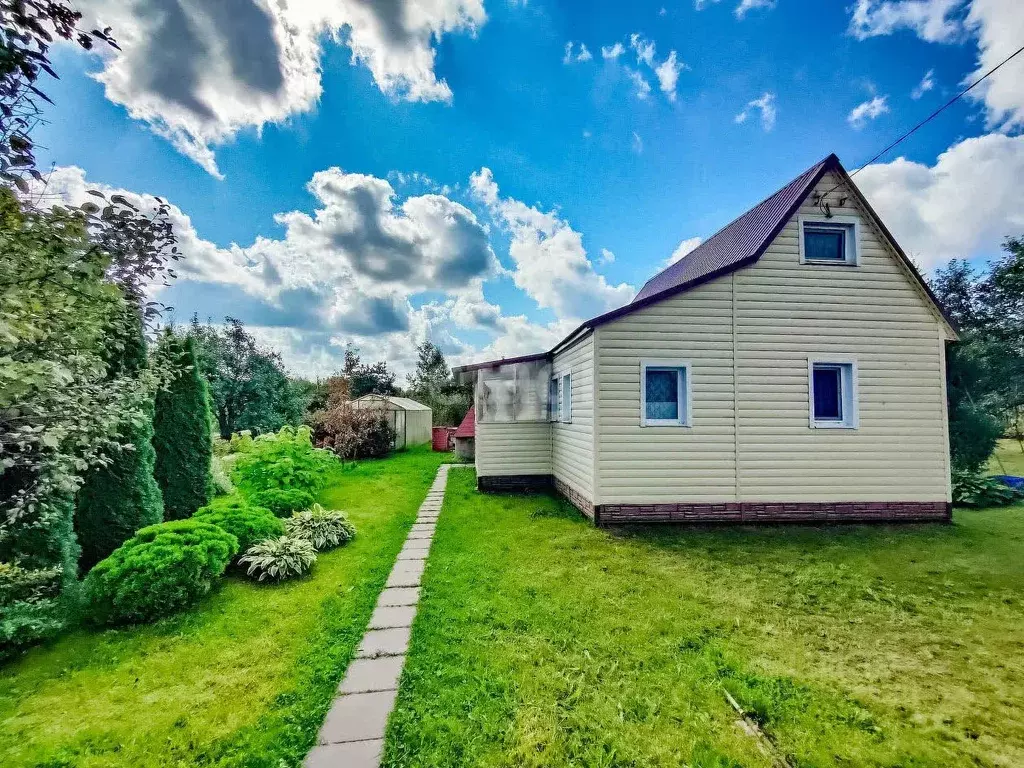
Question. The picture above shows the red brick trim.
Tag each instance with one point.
(781, 512)
(574, 497)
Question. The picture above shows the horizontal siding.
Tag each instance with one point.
(755, 443)
(572, 445)
(786, 312)
(522, 448)
(650, 464)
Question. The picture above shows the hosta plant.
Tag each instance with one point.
(324, 528)
(277, 559)
(971, 489)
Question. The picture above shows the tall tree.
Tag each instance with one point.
(121, 495)
(432, 383)
(181, 430)
(367, 378)
(249, 386)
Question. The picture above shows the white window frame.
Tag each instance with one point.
(684, 393)
(565, 397)
(849, 393)
(852, 226)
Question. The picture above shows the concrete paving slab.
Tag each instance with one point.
(384, 642)
(388, 616)
(415, 554)
(357, 717)
(368, 675)
(399, 596)
(354, 754)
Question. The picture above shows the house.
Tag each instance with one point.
(412, 421)
(792, 367)
(465, 436)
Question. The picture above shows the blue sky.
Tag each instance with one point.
(612, 150)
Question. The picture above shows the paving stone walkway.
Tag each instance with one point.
(352, 735)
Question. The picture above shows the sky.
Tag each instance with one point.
(488, 173)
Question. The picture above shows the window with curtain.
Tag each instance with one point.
(664, 390)
(828, 242)
(832, 395)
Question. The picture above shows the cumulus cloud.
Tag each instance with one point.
(746, 6)
(997, 25)
(927, 83)
(200, 72)
(766, 106)
(644, 49)
(962, 206)
(668, 75)
(612, 51)
(682, 249)
(575, 55)
(933, 20)
(551, 264)
(641, 87)
(868, 110)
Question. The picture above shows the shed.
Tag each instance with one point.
(410, 420)
(465, 436)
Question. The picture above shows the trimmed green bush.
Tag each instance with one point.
(249, 524)
(286, 459)
(162, 569)
(181, 432)
(283, 502)
(277, 559)
(324, 528)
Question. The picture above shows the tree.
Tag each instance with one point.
(181, 430)
(121, 495)
(432, 384)
(249, 386)
(367, 379)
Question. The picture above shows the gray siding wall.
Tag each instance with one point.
(748, 337)
(522, 448)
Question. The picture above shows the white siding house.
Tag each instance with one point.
(790, 368)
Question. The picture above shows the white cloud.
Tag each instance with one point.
(999, 25)
(612, 51)
(581, 54)
(868, 110)
(962, 206)
(200, 72)
(766, 106)
(551, 264)
(644, 49)
(642, 88)
(933, 20)
(668, 75)
(682, 249)
(607, 257)
(746, 6)
(638, 143)
(926, 84)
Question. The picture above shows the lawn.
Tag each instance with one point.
(242, 680)
(1008, 459)
(542, 641)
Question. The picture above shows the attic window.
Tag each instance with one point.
(828, 241)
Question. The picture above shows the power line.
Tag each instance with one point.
(936, 113)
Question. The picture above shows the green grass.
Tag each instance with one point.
(244, 679)
(542, 641)
(1007, 460)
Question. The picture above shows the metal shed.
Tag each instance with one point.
(411, 421)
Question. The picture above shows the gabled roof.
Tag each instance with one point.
(740, 243)
(468, 426)
(404, 403)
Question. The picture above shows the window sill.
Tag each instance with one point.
(828, 262)
(664, 424)
(831, 425)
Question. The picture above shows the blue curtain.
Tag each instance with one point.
(662, 394)
(828, 393)
(824, 246)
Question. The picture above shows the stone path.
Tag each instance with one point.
(352, 735)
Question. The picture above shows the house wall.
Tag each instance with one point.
(513, 449)
(748, 337)
(572, 445)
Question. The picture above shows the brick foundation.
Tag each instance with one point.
(514, 483)
(575, 498)
(782, 512)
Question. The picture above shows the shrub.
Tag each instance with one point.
(285, 460)
(222, 485)
(972, 489)
(118, 499)
(323, 528)
(181, 431)
(280, 558)
(282, 502)
(162, 569)
(241, 442)
(249, 524)
(354, 433)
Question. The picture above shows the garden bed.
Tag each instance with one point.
(242, 679)
(542, 641)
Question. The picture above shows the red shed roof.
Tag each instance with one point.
(468, 426)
